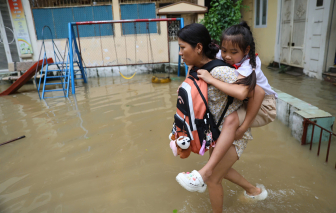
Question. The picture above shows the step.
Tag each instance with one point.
(292, 112)
(54, 90)
(60, 76)
(329, 76)
(56, 83)
(55, 97)
(55, 71)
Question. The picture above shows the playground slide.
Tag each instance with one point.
(25, 77)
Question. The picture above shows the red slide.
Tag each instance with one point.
(25, 77)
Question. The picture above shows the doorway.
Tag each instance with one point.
(293, 28)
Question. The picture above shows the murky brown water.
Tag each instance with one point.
(107, 150)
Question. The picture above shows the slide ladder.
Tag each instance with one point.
(65, 76)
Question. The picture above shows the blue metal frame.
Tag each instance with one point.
(71, 58)
(59, 63)
(179, 58)
(73, 48)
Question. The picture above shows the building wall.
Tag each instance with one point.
(264, 38)
(101, 51)
(94, 55)
(189, 18)
(200, 16)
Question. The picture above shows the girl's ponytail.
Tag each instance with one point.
(252, 46)
(244, 30)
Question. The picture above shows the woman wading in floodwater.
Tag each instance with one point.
(197, 50)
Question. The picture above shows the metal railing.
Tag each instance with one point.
(306, 122)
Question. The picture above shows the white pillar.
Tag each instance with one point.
(116, 16)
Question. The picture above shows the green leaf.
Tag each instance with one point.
(223, 14)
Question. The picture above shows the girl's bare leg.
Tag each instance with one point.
(225, 140)
(215, 180)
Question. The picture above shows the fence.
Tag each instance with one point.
(306, 122)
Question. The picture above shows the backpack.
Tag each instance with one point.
(193, 119)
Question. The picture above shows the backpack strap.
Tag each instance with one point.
(209, 66)
(215, 63)
(193, 73)
(200, 92)
(230, 100)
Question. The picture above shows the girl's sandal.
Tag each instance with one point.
(192, 182)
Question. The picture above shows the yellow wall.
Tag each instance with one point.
(200, 16)
(264, 37)
(182, 7)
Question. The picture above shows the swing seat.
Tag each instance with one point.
(160, 80)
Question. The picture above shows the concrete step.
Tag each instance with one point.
(292, 111)
(329, 76)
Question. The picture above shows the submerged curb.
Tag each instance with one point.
(292, 111)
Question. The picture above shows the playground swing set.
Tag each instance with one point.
(71, 66)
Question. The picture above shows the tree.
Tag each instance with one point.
(222, 15)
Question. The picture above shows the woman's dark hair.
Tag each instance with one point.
(241, 35)
(196, 33)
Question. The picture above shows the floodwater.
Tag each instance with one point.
(107, 150)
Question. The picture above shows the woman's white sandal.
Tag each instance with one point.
(261, 196)
(193, 182)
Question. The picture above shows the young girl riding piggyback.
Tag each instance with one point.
(237, 48)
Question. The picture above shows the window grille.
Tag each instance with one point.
(173, 27)
(66, 3)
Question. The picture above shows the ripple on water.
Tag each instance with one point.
(106, 150)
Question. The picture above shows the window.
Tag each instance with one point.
(138, 11)
(319, 3)
(58, 18)
(260, 13)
